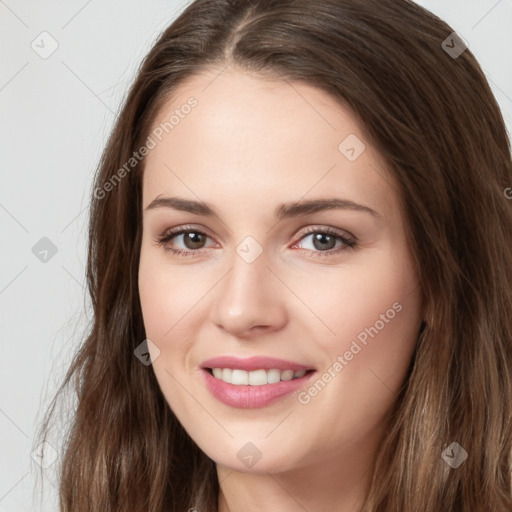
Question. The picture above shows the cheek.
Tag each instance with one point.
(154, 300)
(378, 352)
(165, 296)
(164, 304)
(161, 310)
(372, 310)
(172, 299)
(375, 313)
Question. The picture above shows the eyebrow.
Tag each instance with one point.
(283, 211)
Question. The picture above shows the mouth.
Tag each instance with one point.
(253, 382)
(258, 377)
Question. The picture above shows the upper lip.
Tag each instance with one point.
(253, 363)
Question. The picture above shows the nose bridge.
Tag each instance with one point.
(248, 295)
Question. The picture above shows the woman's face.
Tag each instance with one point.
(295, 250)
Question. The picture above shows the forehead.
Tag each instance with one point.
(261, 141)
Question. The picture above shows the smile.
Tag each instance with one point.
(259, 377)
(246, 395)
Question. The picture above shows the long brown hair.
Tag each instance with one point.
(436, 124)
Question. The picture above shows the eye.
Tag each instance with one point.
(323, 241)
(192, 238)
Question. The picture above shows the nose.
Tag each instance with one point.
(250, 299)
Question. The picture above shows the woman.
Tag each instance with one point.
(234, 362)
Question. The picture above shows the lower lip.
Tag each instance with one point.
(252, 397)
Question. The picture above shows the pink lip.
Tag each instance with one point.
(251, 397)
(253, 363)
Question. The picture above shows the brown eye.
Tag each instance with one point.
(323, 241)
(193, 239)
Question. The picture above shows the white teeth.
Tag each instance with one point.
(240, 377)
(273, 376)
(287, 375)
(227, 374)
(256, 377)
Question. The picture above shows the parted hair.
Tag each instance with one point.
(436, 125)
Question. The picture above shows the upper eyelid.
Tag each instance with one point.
(303, 232)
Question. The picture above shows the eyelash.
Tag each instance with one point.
(170, 234)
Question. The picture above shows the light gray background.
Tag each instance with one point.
(56, 114)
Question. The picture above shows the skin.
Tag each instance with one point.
(250, 144)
